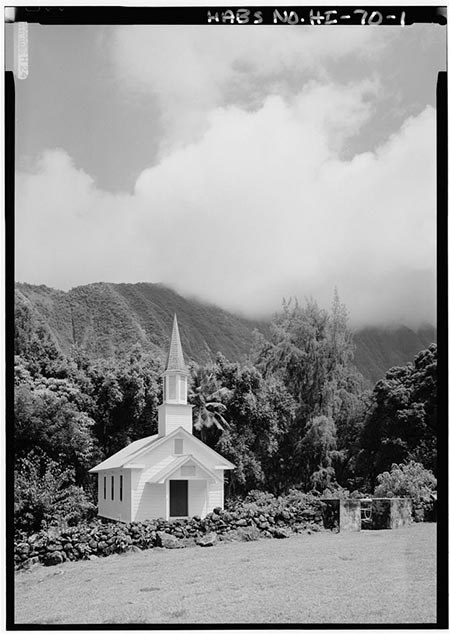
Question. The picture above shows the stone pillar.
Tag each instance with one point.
(401, 512)
(343, 515)
(350, 515)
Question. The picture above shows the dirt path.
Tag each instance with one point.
(367, 577)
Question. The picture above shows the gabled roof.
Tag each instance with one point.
(124, 455)
(175, 360)
(161, 476)
(222, 463)
(129, 454)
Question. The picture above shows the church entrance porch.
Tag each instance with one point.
(186, 497)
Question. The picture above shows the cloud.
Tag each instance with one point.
(262, 206)
(191, 70)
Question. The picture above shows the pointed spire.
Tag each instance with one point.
(175, 360)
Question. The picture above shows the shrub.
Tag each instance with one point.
(336, 491)
(409, 479)
(261, 498)
(44, 495)
(340, 493)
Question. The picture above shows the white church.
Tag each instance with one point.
(169, 475)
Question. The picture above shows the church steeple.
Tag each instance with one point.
(175, 360)
(174, 411)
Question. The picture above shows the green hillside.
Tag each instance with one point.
(378, 349)
(108, 319)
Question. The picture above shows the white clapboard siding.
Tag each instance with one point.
(173, 421)
(140, 479)
(197, 490)
(215, 496)
(155, 454)
(202, 453)
(198, 474)
(170, 417)
(152, 458)
(115, 509)
(152, 503)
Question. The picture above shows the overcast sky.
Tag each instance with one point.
(238, 164)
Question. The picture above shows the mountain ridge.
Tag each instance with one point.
(106, 319)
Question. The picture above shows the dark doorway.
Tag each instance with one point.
(178, 498)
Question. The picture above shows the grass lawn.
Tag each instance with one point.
(368, 577)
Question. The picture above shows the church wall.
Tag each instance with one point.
(201, 452)
(197, 502)
(115, 508)
(155, 456)
(215, 496)
(152, 503)
(179, 474)
(140, 478)
(170, 417)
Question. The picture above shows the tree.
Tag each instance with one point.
(205, 395)
(401, 422)
(259, 413)
(317, 450)
(125, 393)
(34, 342)
(311, 351)
(47, 419)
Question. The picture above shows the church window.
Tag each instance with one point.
(172, 388)
(121, 489)
(104, 488)
(112, 487)
(178, 445)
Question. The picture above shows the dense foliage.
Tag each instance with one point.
(106, 320)
(45, 495)
(297, 414)
(401, 423)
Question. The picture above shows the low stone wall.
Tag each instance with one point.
(103, 537)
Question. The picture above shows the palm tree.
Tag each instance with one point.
(205, 396)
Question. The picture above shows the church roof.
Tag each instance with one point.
(175, 360)
(124, 455)
(127, 456)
